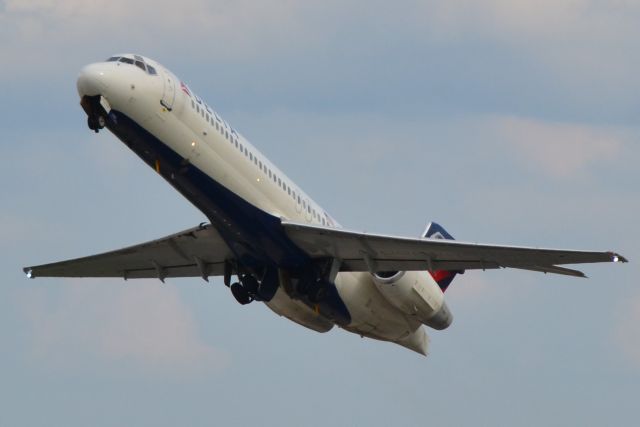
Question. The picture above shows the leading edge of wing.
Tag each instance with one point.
(367, 252)
(195, 252)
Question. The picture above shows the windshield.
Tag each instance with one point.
(136, 60)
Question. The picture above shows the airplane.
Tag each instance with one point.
(265, 236)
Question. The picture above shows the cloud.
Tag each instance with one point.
(572, 53)
(580, 50)
(530, 21)
(560, 150)
(141, 326)
(52, 32)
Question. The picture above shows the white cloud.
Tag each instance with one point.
(561, 150)
(140, 325)
(587, 46)
(51, 32)
(584, 46)
(530, 20)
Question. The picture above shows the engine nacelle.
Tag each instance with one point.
(417, 294)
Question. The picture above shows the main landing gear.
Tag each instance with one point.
(244, 292)
(249, 288)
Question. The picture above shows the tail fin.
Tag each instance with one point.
(442, 277)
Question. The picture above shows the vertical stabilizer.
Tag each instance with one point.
(442, 277)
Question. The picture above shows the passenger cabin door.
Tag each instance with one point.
(169, 92)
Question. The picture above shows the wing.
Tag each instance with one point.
(371, 252)
(197, 252)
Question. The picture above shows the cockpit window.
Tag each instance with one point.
(138, 62)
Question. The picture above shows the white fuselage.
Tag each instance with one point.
(194, 131)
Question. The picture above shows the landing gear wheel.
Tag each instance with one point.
(102, 121)
(240, 293)
(250, 283)
(93, 124)
(96, 123)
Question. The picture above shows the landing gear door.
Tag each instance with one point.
(169, 91)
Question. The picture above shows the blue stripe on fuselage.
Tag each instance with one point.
(256, 238)
(253, 235)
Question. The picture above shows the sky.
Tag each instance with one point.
(507, 122)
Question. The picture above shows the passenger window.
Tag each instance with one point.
(251, 156)
(198, 108)
(241, 148)
(298, 199)
(260, 164)
(269, 173)
(193, 104)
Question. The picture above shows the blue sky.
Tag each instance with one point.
(507, 122)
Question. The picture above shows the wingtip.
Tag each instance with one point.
(617, 257)
(29, 272)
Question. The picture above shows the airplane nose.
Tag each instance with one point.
(92, 80)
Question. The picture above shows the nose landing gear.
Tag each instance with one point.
(96, 122)
(97, 109)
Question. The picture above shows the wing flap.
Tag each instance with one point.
(374, 252)
(196, 252)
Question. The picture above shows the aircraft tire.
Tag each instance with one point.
(240, 294)
(250, 283)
